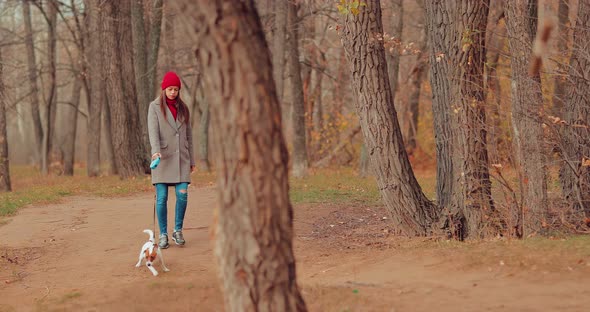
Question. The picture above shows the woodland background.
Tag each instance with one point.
(508, 144)
(490, 97)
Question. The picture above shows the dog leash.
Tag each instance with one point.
(154, 220)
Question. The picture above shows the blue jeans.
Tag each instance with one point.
(162, 205)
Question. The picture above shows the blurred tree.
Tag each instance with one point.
(5, 185)
(254, 231)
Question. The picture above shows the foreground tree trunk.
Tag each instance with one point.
(411, 211)
(254, 233)
(5, 185)
(527, 103)
(456, 41)
(300, 162)
(575, 170)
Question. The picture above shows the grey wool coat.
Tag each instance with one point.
(173, 139)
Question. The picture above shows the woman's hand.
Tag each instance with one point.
(156, 155)
(193, 168)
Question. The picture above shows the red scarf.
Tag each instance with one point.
(172, 106)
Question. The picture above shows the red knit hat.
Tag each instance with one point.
(170, 80)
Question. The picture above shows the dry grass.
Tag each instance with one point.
(31, 187)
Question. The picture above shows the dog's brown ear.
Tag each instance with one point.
(147, 254)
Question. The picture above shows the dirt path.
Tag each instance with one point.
(80, 256)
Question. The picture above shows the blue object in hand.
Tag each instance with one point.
(155, 163)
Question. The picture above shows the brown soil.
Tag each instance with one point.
(80, 255)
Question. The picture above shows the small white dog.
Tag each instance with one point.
(149, 252)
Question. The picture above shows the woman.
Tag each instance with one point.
(171, 140)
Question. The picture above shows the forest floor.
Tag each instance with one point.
(79, 255)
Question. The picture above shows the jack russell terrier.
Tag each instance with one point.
(149, 252)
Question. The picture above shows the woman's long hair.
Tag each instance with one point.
(182, 114)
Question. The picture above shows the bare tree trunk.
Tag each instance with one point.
(300, 162)
(169, 42)
(32, 69)
(278, 51)
(456, 40)
(140, 66)
(496, 41)
(154, 35)
(107, 125)
(5, 185)
(120, 79)
(52, 94)
(97, 86)
(417, 75)
(411, 211)
(560, 83)
(575, 170)
(71, 126)
(393, 56)
(527, 103)
(204, 139)
(254, 232)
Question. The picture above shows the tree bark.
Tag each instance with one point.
(204, 137)
(140, 66)
(52, 94)
(560, 83)
(32, 70)
(496, 41)
(575, 170)
(154, 35)
(5, 185)
(278, 51)
(127, 141)
(411, 211)
(527, 104)
(69, 145)
(300, 162)
(393, 55)
(254, 232)
(109, 149)
(97, 86)
(456, 41)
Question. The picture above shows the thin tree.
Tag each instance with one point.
(254, 231)
(456, 42)
(300, 162)
(32, 74)
(80, 68)
(411, 211)
(97, 85)
(50, 112)
(560, 85)
(278, 50)
(527, 104)
(5, 185)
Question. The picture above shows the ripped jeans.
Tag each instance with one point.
(162, 205)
